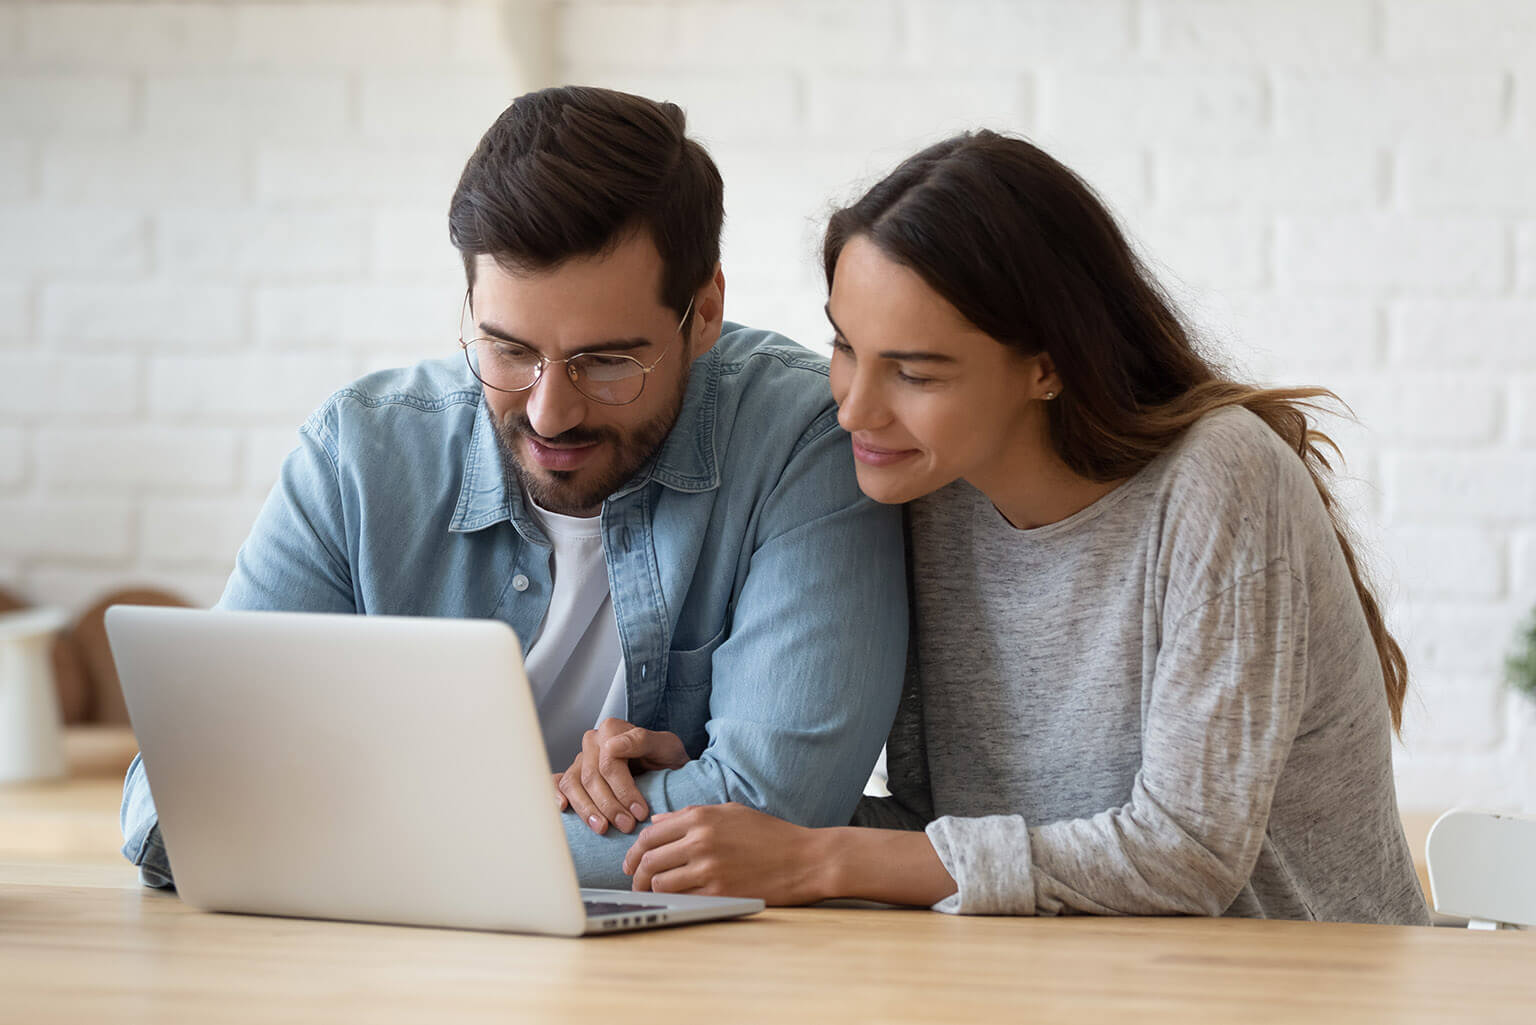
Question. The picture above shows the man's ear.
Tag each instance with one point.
(708, 314)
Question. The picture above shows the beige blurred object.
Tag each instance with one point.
(69, 676)
(90, 643)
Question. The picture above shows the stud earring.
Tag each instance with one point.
(1050, 395)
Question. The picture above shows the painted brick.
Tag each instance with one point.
(341, 34)
(754, 107)
(136, 35)
(60, 104)
(1207, 107)
(1492, 488)
(1444, 408)
(266, 387)
(1523, 560)
(1451, 29)
(1433, 781)
(414, 243)
(15, 310)
(1448, 563)
(264, 450)
(1365, 252)
(265, 244)
(265, 106)
(458, 108)
(10, 32)
(1493, 334)
(1270, 178)
(73, 386)
(1120, 175)
(1525, 258)
(490, 34)
(1524, 410)
(900, 106)
(1453, 713)
(60, 529)
(203, 316)
(13, 457)
(1479, 176)
(143, 172)
(359, 175)
(71, 240)
(1309, 32)
(15, 169)
(615, 35)
(1011, 34)
(171, 460)
(358, 316)
(814, 34)
(1289, 340)
(76, 587)
(1462, 638)
(1215, 250)
(192, 531)
(1390, 106)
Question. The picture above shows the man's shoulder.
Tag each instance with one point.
(428, 387)
(770, 385)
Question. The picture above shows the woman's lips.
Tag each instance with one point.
(563, 458)
(873, 456)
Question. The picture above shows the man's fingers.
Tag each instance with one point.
(560, 800)
(653, 749)
(601, 794)
(613, 765)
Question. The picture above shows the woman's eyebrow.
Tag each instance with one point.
(907, 355)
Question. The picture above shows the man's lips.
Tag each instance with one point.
(559, 457)
(872, 455)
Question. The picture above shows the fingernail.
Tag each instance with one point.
(624, 822)
(638, 809)
(596, 822)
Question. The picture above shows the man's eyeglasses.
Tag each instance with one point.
(607, 377)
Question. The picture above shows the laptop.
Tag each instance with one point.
(364, 768)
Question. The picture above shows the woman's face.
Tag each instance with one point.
(927, 397)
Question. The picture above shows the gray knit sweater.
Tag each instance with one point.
(1168, 703)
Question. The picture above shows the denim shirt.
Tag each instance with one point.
(760, 597)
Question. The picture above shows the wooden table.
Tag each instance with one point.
(81, 941)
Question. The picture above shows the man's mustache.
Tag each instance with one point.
(574, 436)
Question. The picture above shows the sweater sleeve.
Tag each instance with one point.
(1224, 707)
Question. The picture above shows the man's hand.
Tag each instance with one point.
(729, 850)
(600, 784)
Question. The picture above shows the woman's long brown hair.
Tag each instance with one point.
(1026, 251)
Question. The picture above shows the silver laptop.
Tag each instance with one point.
(367, 768)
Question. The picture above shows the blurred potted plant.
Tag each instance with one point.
(1520, 668)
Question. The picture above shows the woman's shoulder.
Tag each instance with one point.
(1231, 455)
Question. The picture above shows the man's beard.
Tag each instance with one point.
(561, 491)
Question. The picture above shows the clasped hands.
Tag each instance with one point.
(725, 849)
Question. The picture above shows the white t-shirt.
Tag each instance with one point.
(575, 664)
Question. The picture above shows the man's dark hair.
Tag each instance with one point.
(573, 170)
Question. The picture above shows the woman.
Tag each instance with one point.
(1147, 676)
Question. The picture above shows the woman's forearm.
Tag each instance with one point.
(894, 866)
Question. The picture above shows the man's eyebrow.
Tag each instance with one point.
(609, 345)
(904, 355)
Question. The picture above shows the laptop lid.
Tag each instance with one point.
(371, 768)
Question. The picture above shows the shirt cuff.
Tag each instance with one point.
(989, 860)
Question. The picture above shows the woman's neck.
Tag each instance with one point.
(1032, 487)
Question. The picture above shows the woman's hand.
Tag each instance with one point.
(728, 850)
(600, 784)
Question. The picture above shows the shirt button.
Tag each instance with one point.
(519, 583)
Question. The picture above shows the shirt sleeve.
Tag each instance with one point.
(910, 804)
(1225, 705)
(294, 560)
(804, 687)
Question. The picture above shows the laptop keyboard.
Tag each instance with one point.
(603, 907)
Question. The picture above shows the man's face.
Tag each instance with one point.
(570, 451)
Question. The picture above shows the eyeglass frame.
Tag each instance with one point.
(545, 361)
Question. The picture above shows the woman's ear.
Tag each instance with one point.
(1044, 382)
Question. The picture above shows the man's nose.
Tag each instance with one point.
(554, 404)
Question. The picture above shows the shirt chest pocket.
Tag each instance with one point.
(690, 677)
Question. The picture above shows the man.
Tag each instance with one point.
(659, 503)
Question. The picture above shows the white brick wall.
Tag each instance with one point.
(1339, 191)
